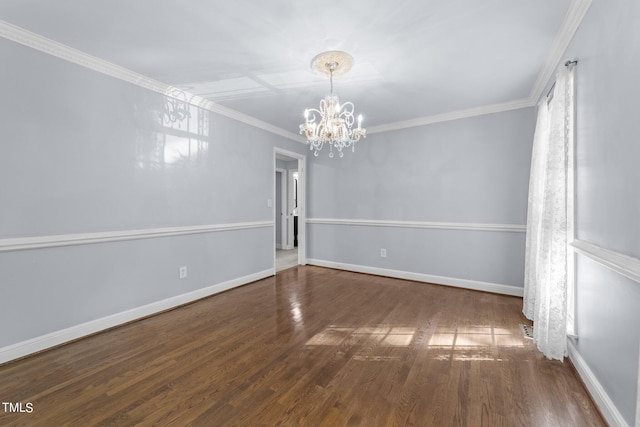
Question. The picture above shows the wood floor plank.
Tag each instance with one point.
(310, 346)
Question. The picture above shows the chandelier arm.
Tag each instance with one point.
(346, 112)
(312, 114)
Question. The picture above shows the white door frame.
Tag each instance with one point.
(302, 203)
(283, 208)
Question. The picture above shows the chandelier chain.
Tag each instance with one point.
(331, 81)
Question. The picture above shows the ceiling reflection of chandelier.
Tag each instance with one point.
(335, 120)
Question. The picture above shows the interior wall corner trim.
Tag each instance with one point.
(41, 242)
(572, 20)
(75, 56)
(599, 395)
(514, 228)
(625, 265)
(475, 285)
(44, 342)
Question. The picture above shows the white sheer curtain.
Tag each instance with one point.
(547, 251)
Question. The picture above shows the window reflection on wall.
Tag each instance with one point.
(186, 127)
(181, 116)
(180, 149)
(175, 134)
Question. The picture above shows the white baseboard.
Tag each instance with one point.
(421, 277)
(599, 395)
(56, 338)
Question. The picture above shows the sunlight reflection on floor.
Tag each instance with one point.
(446, 343)
(473, 343)
(389, 336)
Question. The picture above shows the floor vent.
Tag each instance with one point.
(527, 331)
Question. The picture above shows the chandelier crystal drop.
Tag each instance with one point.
(333, 122)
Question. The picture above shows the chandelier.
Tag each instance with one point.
(335, 121)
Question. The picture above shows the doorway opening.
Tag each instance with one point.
(289, 212)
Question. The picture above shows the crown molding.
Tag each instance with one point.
(453, 115)
(75, 56)
(572, 20)
(574, 16)
(59, 50)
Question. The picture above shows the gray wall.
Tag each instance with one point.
(83, 152)
(607, 46)
(469, 171)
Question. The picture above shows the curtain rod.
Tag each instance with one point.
(566, 64)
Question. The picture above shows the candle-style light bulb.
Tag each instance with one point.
(359, 121)
(306, 114)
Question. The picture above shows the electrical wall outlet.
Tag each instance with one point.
(383, 253)
(183, 272)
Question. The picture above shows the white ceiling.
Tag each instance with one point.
(414, 59)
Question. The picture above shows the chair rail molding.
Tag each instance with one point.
(625, 265)
(40, 242)
(515, 228)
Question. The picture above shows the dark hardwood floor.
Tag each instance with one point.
(309, 347)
